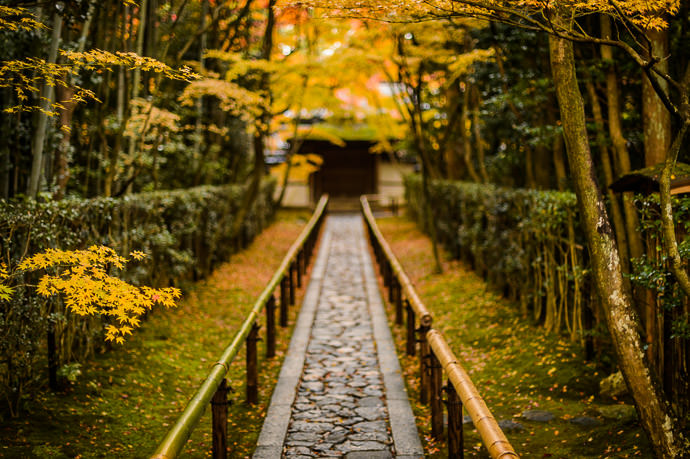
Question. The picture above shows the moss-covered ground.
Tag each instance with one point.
(515, 365)
(126, 399)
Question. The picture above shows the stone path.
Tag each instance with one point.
(340, 393)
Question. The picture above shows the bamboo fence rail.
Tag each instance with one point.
(435, 357)
(214, 389)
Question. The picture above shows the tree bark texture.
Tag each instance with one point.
(616, 212)
(621, 157)
(467, 136)
(623, 323)
(262, 126)
(655, 117)
(47, 95)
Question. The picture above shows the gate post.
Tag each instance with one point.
(291, 282)
(283, 302)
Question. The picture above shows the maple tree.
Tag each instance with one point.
(39, 78)
(561, 20)
(81, 277)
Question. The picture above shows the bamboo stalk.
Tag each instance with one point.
(492, 436)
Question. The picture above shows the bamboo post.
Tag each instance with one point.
(271, 327)
(219, 421)
(386, 267)
(398, 303)
(492, 436)
(291, 282)
(435, 383)
(252, 366)
(455, 433)
(299, 269)
(411, 338)
(424, 364)
(283, 302)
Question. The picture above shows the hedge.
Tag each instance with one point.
(527, 243)
(184, 232)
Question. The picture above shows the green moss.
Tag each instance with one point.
(127, 398)
(515, 365)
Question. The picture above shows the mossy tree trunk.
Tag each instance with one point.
(623, 322)
(262, 126)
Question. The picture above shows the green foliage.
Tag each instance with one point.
(530, 246)
(514, 364)
(526, 242)
(184, 232)
(652, 270)
(128, 397)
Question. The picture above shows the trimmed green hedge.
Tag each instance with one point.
(527, 243)
(184, 232)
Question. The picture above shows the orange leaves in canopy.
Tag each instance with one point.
(646, 14)
(81, 277)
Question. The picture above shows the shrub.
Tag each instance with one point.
(184, 232)
(527, 243)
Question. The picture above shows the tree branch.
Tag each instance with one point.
(667, 226)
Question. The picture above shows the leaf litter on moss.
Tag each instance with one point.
(513, 362)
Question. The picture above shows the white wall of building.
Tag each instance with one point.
(297, 194)
(390, 179)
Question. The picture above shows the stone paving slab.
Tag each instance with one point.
(341, 403)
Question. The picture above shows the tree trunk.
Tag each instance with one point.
(112, 155)
(656, 120)
(42, 119)
(478, 134)
(618, 222)
(668, 228)
(136, 83)
(466, 136)
(451, 153)
(198, 162)
(62, 152)
(559, 163)
(429, 218)
(643, 297)
(262, 127)
(622, 156)
(654, 410)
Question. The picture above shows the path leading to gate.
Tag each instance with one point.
(340, 392)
